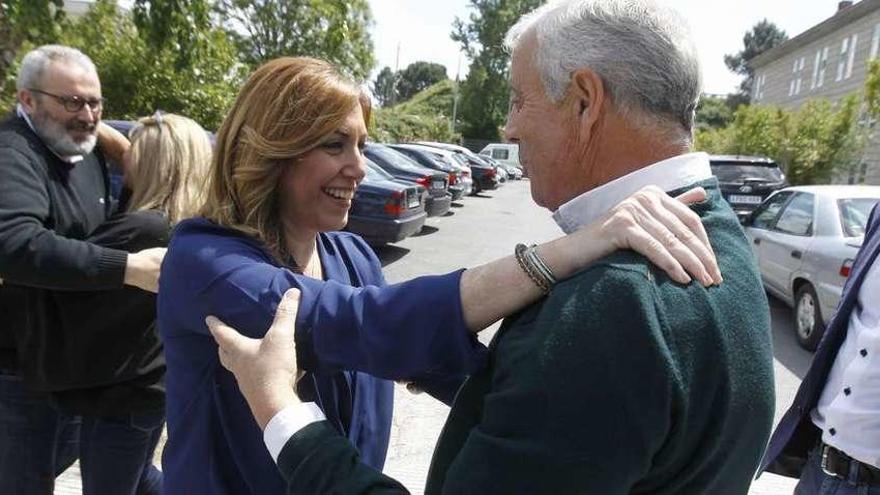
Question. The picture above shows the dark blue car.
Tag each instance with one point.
(425, 159)
(384, 211)
(402, 168)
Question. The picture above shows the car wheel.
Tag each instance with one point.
(809, 326)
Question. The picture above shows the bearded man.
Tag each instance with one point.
(54, 192)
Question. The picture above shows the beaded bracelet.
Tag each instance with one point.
(535, 267)
(531, 255)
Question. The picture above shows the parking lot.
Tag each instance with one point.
(479, 229)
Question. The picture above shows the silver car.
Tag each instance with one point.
(805, 239)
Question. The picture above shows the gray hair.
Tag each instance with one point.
(642, 52)
(34, 64)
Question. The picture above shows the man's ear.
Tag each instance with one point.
(588, 93)
(26, 98)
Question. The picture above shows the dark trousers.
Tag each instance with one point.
(37, 443)
(116, 454)
(815, 482)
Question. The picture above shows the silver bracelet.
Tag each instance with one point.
(541, 265)
(535, 267)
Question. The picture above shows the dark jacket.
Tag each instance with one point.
(48, 208)
(351, 321)
(621, 381)
(117, 355)
(796, 434)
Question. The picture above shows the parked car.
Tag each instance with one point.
(514, 173)
(384, 211)
(503, 172)
(455, 160)
(486, 175)
(457, 185)
(746, 181)
(805, 240)
(506, 153)
(401, 168)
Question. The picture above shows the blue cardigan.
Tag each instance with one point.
(351, 321)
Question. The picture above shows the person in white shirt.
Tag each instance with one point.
(621, 380)
(830, 437)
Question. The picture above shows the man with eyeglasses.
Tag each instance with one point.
(54, 192)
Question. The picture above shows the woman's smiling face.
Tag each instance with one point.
(317, 189)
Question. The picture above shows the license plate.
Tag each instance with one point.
(413, 201)
(749, 200)
(438, 184)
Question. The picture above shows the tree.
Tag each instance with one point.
(137, 78)
(383, 87)
(872, 89)
(36, 22)
(484, 94)
(334, 31)
(178, 24)
(713, 112)
(762, 37)
(425, 117)
(418, 76)
(394, 87)
(813, 145)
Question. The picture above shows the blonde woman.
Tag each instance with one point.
(115, 364)
(167, 165)
(288, 158)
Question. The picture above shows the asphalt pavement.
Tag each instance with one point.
(477, 230)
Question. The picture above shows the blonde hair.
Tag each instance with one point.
(286, 108)
(170, 158)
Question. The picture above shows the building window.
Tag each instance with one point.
(823, 64)
(852, 55)
(760, 83)
(847, 57)
(816, 63)
(875, 42)
(797, 70)
(841, 62)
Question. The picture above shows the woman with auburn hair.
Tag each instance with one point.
(288, 158)
(112, 368)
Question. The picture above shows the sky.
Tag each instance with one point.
(421, 28)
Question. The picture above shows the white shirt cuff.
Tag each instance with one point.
(286, 423)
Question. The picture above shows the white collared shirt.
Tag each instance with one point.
(670, 174)
(848, 411)
(287, 422)
(73, 159)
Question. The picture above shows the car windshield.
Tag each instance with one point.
(854, 214)
(739, 172)
(500, 154)
(394, 158)
(374, 173)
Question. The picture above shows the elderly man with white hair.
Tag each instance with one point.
(54, 192)
(622, 380)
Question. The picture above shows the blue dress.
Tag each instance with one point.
(354, 333)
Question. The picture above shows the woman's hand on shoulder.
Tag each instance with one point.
(664, 230)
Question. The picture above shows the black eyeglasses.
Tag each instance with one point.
(74, 104)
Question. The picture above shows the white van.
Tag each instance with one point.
(506, 153)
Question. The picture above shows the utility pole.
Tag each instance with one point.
(455, 96)
(395, 76)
